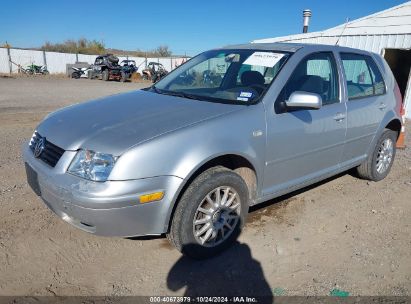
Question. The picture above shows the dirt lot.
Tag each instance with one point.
(344, 235)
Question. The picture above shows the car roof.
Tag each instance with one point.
(286, 47)
(292, 47)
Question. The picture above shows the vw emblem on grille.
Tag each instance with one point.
(39, 148)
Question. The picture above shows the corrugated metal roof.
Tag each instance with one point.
(393, 21)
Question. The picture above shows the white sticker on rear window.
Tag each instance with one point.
(265, 59)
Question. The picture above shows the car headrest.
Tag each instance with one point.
(312, 84)
(249, 78)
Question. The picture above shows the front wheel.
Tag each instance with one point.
(123, 77)
(210, 214)
(105, 75)
(378, 164)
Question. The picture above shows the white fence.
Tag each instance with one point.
(56, 62)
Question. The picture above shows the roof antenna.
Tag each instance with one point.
(342, 32)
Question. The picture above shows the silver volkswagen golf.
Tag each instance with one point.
(231, 128)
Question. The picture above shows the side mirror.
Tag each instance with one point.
(306, 100)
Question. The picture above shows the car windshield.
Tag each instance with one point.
(230, 76)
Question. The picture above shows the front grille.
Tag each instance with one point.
(51, 153)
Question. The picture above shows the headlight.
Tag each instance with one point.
(92, 165)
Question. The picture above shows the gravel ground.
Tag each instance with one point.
(342, 235)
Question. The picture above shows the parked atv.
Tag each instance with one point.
(106, 67)
(154, 72)
(128, 67)
(36, 70)
(80, 72)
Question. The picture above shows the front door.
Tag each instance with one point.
(304, 144)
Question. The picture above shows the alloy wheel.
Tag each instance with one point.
(217, 216)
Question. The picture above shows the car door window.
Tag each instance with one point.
(317, 73)
(362, 76)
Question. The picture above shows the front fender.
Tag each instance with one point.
(182, 152)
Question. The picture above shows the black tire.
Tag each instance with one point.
(75, 75)
(368, 169)
(105, 75)
(123, 77)
(181, 233)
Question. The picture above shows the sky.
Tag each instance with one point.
(187, 27)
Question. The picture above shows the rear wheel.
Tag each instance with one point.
(210, 214)
(75, 75)
(378, 164)
(105, 75)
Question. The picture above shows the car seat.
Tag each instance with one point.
(253, 79)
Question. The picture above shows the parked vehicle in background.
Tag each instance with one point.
(33, 69)
(105, 67)
(154, 72)
(188, 157)
(80, 72)
(128, 67)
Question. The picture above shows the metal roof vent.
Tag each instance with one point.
(307, 16)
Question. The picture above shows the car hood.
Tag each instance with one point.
(116, 123)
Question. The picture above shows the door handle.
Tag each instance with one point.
(382, 106)
(339, 117)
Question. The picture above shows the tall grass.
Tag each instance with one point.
(81, 46)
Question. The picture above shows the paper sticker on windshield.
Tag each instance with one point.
(265, 59)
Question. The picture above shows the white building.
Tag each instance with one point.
(387, 33)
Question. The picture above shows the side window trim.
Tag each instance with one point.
(376, 65)
(367, 58)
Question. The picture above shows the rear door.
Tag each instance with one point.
(304, 144)
(365, 89)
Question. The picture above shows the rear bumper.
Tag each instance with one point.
(111, 208)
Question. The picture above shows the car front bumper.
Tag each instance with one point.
(110, 208)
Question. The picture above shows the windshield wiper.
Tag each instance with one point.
(153, 87)
(176, 94)
(184, 95)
